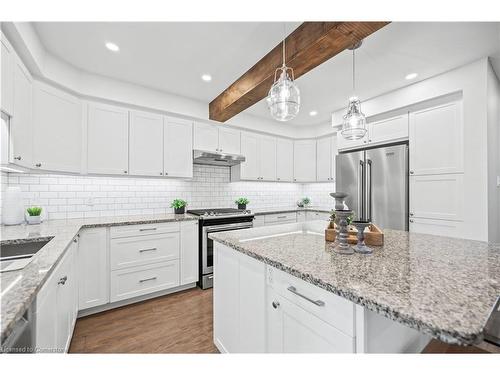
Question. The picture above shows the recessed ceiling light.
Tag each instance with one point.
(206, 77)
(411, 76)
(112, 47)
(313, 113)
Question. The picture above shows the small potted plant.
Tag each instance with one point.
(242, 203)
(305, 201)
(33, 215)
(179, 206)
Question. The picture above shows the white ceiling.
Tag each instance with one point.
(172, 56)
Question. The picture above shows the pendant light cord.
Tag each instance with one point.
(354, 71)
(284, 38)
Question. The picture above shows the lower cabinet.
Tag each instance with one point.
(314, 215)
(56, 306)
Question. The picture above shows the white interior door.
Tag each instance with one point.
(107, 139)
(284, 159)
(178, 148)
(304, 161)
(146, 144)
(267, 158)
(206, 137)
(229, 141)
(324, 159)
(57, 130)
(250, 150)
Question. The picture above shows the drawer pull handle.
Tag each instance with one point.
(151, 249)
(281, 217)
(294, 291)
(150, 279)
(62, 280)
(145, 229)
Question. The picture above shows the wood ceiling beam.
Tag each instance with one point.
(308, 46)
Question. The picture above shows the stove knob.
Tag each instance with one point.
(212, 213)
(205, 213)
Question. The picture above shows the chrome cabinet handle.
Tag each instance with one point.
(150, 249)
(125, 172)
(278, 178)
(294, 291)
(38, 165)
(149, 279)
(166, 173)
(17, 157)
(62, 280)
(411, 213)
(411, 172)
(75, 240)
(145, 229)
(281, 217)
(161, 173)
(411, 221)
(275, 304)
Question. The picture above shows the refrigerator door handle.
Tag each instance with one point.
(368, 190)
(361, 190)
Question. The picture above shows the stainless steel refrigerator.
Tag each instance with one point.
(377, 183)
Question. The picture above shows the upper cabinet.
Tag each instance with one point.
(146, 144)
(284, 160)
(178, 148)
(7, 82)
(216, 138)
(57, 134)
(304, 161)
(439, 129)
(260, 158)
(325, 159)
(267, 158)
(107, 139)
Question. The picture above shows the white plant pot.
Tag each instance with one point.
(33, 219)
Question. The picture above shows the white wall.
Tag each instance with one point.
(493, 87)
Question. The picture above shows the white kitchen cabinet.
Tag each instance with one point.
(93, 268)
(57, 130)
(437, 197)
(347, 144)
(250, 168)
(267, 158)
(229, 141)
(107, 139)
(189, 252)
(284, 160)
(301, 216)
(178, 148)
(146, 144)
(46, 315)
(259, 221)
(281, 218)
(239, 302)
(437, 227)
(314, 215)
(436, 140)
(21, 122)
(7, 79)
(325, 159)
(304, 161)
(206, 137)
(388, 130)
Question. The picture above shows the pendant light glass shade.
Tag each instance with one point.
(354, 125)
(283, 99)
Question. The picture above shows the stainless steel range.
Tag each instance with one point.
(216, 220)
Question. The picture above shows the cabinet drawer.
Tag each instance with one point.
(137, 281)
(317, 215)
(143, 229)
(136, 251)
(437, 227)
(336, 311)
(280, 218)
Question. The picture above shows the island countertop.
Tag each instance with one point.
(441, 286)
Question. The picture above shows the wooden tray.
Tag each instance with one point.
(373, 237)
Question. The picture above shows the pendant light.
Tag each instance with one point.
(354, 124)
(283, 99)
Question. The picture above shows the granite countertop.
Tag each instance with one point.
(281, 210)
(441, 286)
(19, 288)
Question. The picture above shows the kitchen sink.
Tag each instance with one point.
(16, 256)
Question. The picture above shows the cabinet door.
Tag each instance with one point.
(387, 130)
(107, 139)
(437, 197)
(57, 130)
(7, 78)
(93, 268)
(267, 158)
(66, 291)
(46, 316)
(324, 159)
(292, 329)
(189, 252)
(284, 160)
(335, 152)
(146, 144)
(206, 137)
(250, 150)
(229, 141)
(436, 140)
(304, 161)
(21, 129)
(437, 227)
(178, 148)
(346, 144)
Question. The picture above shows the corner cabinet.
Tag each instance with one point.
(178, 148)
(304, 161)
(57, 134)
(107, 139)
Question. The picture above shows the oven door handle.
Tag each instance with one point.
(218, 228)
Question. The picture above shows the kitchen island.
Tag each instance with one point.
(409, 290)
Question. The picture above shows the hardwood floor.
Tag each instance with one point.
(439, 347)
(177, 323)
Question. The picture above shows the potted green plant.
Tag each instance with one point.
(179, 206)
(33, 215)
(305, 201)
(242, 203)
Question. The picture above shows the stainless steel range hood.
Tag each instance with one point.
(215, 158)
